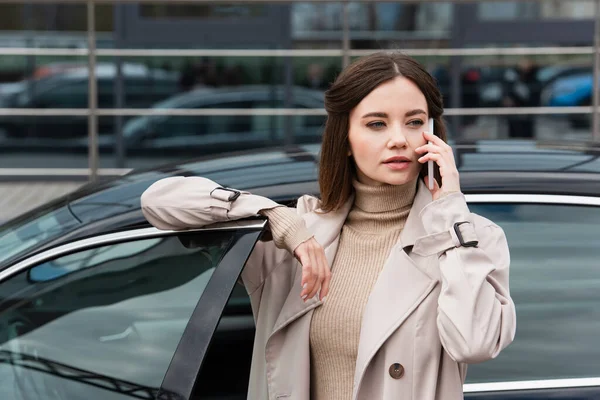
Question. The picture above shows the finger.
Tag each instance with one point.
(436, 140)
(307, 274)
(441, 162)
(327, 280)
(310, 271)
(431, 156)
(445, 162)
(436, 185)
(317, 274)
(324, 274)
(430, 148)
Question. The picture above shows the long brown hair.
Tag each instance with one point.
(336, 169)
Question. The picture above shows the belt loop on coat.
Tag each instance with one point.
(462, 234)
(221, 199)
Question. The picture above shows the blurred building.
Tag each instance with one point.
(218, 70)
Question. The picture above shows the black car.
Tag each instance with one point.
(97, 304)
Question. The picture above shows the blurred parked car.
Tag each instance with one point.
(495, 77)
(42, 71)
(208, 134)
(97, 304)
(69, 89)
(160, 135)
(570, 91)
(573, 90)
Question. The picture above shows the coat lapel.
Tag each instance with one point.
(413, 228)
(402, 285)
(326, 228)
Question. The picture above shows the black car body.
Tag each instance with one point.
(96, 304)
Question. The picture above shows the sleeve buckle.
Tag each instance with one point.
(471, 243)
(234, 194)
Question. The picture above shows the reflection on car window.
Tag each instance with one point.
(22, 235)
(186, 126)
(108, 324)
(555, 282)
(70, 95)
(78, 261)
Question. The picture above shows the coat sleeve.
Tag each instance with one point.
(476, 315)
(179, 203)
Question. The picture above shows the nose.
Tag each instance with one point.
(397, 138)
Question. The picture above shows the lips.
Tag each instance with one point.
(397, 163)
(397, 159)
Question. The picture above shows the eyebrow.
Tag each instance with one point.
(414, 112)
(384, 115)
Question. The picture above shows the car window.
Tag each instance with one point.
(68, 95)
(139, 92)
(103, 323)
(555, 284)
(29, 231)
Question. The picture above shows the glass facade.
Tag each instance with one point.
(548, 10)
(219, 69)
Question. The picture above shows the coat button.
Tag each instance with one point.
(396, 371)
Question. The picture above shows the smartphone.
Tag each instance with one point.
(430, 162)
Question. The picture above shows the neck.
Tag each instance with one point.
(378, 209)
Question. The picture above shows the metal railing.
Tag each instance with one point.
(345, 52)
(448, 52)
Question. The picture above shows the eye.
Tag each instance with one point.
(376, 124)
(416, 123)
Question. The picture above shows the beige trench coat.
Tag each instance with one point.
(436, 306)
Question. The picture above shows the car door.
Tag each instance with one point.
(119, 316)
(555, 284)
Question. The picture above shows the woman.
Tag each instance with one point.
(416, 285)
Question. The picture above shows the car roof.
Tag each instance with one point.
(104, 72)
(284, 174)
(209, 95)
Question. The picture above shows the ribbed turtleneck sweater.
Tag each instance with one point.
(371, 229)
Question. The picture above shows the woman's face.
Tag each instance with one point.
(385, 129)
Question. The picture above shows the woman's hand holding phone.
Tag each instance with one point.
(438, 151)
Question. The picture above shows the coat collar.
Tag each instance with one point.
(415, 280)
(404, 282)
(326, 228)
(413, 228)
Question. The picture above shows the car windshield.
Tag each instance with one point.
(24, 234)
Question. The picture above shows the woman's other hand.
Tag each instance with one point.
(316, 274)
